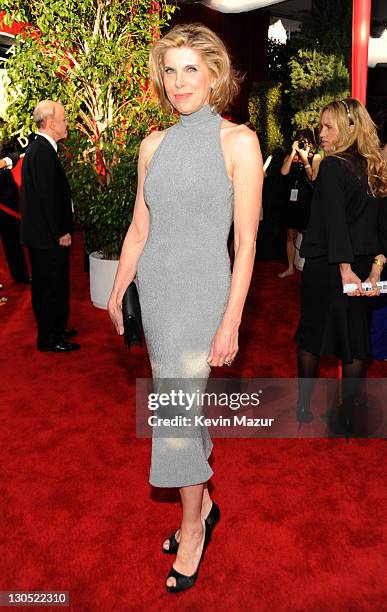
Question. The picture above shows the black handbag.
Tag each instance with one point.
(131, 312)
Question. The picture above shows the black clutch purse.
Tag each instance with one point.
(131, 312)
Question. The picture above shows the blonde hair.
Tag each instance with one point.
(357, 130)
(213, 52)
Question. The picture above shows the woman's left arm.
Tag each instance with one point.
(311, 170)
(315, 166)
(374, 276)
(247, 181)
(379, 261)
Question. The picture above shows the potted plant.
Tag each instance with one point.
(92, 56)
(104, 210)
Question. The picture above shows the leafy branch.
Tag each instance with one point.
(92, 56)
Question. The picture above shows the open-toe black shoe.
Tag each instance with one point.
(212, 518)
(173, 545)
(184, 582)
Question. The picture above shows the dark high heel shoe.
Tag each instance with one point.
(303, 415)
(341, 424)
(211, 520)
(184, 582)
(213, 517)
(173, 545)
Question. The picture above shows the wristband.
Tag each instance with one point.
(379, 262)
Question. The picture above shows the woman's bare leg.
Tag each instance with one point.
(290, 252)
(191, 532)
(207, 502)
(206, 508)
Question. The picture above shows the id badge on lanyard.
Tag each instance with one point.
(294, 193)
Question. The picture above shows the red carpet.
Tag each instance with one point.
(303, 521)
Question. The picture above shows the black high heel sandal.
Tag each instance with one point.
(211, 520)
(184, 582)
(303, 415)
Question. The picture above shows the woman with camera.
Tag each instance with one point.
(301, 169)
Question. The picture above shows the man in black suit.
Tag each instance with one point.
(46, 228)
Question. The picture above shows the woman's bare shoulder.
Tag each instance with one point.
(238, 133)
(153, 139)
(150, 143)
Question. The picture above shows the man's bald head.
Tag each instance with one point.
(44, 110)
(49, 117)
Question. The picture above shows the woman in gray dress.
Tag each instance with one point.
(194, 179)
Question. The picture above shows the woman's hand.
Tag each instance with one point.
(349, 277)
(303, 153)
(115, 312)
(224, 346)
(373, 279)
(295, 148)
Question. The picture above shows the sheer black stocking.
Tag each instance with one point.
(352, 381)
(307, 364)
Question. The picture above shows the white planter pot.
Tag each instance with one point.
(102, 274)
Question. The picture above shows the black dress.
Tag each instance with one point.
(344, 227)
(9, 225)
(297, 210)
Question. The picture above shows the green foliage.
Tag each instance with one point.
(104, 210)
(328, 28)
(265, 111)
(92, 56)
(312, 78)
(278, 57)
(316, 79)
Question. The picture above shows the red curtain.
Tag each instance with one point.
(245, 36)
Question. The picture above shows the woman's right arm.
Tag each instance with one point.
(332, 200)
(135, 239)
(287, 163)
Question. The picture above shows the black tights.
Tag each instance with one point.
(308, 363)
(353, 373)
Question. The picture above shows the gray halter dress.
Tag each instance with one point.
(184, 278)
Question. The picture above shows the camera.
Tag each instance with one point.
(302, 144)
